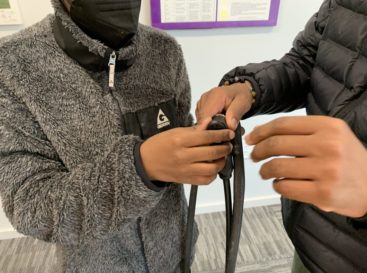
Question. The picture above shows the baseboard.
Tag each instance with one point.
(249, 203)
(200, 209)
(9, 234)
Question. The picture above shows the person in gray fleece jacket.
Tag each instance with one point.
(95, 168)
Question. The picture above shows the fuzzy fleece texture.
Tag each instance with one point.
(67, 173)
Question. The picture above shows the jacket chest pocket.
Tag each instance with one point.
(150, 121)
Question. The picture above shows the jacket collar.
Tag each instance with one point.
(89, 53)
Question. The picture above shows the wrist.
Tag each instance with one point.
(156, 186)
(243, 87)
(146, 162)
(251, 91)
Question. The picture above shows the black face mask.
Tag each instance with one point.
(113, 22)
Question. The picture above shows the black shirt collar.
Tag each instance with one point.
(91, 54)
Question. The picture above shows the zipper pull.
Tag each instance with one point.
(112, 67)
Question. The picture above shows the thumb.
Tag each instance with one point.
(234, 113)
(203, 124)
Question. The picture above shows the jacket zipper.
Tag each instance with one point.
(112, 69)
(142, 245)
(111, 86)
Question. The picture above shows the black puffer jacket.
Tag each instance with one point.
(326, 72)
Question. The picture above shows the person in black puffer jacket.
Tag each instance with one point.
(324, 181)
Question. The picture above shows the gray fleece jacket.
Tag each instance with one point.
(67, 166)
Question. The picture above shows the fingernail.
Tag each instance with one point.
(231, 134)
(234, 123)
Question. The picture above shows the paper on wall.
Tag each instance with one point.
(190, 11)
(9, 13)
(243, 10)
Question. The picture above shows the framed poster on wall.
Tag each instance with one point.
(191, 14)
(9, 13)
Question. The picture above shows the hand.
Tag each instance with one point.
(235, 99)
(327, 164)
(184, 155)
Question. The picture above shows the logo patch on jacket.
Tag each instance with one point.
(162, 120)
(152, 120)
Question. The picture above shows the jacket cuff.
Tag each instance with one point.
(156, 186)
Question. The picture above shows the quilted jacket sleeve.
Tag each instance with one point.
(282, 85)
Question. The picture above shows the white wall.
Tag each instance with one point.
(209, 54)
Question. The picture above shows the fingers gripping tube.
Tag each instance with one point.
(234, 212)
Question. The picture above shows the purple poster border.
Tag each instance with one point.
(156, 19)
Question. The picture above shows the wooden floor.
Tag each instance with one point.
(264, 247)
